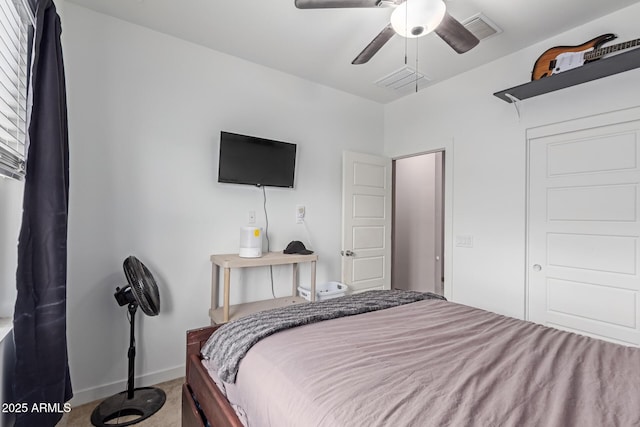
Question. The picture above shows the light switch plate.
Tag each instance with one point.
(464, 241)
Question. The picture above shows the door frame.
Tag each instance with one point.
(439, 269)
(446, 146)
(571, 125)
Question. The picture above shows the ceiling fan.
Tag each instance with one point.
(410, 18)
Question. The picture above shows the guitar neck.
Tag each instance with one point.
(598, 53)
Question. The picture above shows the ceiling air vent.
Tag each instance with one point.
(481, 26)
(404, 80)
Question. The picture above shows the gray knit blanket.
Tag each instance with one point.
(231, 342)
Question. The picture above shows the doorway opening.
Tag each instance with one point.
(418, 223)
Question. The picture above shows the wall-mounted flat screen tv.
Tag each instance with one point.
(256, 161)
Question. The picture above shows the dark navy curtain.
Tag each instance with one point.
(42, 369)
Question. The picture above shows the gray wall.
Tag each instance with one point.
(145, 115)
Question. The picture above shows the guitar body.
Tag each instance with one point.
(563, 58)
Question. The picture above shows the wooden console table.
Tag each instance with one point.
(229, 261)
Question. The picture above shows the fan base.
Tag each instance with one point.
(118, 410)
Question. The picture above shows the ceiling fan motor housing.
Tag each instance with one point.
(411, 19)
(416, 18)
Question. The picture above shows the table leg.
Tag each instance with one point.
(227, 286)
(295, 279)
(313, 280)
(215, 274)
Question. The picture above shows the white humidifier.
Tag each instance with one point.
(250, 242)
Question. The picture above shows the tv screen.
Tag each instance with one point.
(256, 161)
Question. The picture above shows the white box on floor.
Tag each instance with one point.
(324, 291)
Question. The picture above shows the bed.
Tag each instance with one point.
(425, 363)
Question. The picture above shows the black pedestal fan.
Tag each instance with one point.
(134, 404)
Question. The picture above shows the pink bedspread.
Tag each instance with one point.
(436, 363)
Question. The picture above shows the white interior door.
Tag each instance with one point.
(366, 221)
(583, 257)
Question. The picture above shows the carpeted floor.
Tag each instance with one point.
(168, 416)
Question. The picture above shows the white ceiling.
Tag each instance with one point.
(319, 45)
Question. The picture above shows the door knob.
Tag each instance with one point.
(537, 267)
(347, 253)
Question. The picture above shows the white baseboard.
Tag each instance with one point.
(101, 392)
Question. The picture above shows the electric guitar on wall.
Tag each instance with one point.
(564, 58)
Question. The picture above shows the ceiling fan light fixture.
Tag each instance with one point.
(416, 18)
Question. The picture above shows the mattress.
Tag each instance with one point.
(435, 363)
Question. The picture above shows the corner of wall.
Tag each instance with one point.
(7, 358)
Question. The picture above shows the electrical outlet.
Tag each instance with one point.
(300, 212)
(251, 217)
(464, 241)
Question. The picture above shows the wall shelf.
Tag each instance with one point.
(591, 71)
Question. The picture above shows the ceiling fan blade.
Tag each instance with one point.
(456, 35)
(328, 4)
(375, 45)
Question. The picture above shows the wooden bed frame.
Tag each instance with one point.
(202, 401)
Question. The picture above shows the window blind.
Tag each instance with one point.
(15, 31)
